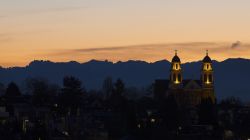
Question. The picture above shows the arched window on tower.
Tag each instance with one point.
(179, 77)
(210, 78)
(205, 77)
(176, 66)
(174, 77)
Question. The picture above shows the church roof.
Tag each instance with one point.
(162, 85)
(190, 83)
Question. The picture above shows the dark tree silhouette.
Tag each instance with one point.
(2, 89)
(124, 111)
(231, 102)
(119, 87)
(42, 92)
(207, 112)
(107, 87)
(117, 101)
(169, 112)
(72, 84)
(72, 94)
(12, 90)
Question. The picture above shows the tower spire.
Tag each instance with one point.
(175, 52)
(207, 52)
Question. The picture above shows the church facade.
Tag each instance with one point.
(188, 92)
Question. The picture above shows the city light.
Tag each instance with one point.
(152, 120)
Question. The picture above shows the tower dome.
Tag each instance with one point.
(176, 58)
(207, 59)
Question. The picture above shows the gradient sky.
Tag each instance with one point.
(80, 30)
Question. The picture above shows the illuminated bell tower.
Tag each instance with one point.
(207, 72)
(207, 79)
(175, 72)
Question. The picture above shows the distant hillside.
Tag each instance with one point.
(231, 76)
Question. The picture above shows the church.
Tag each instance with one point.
(187, 92)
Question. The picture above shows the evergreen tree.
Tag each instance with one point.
(42, 92)
(72, 93)
(12, 90)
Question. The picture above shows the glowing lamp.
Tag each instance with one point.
(176, 82)
(139, 126)
(152, 120)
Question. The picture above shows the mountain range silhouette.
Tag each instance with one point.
(231, 76)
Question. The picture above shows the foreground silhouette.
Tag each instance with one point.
(47, 112)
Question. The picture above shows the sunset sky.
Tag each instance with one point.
(150, 30)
